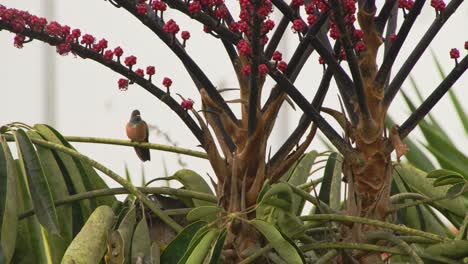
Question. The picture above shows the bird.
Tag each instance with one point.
(137, 131)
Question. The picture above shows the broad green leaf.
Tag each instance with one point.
(193, 243)
(57, 243)
(71, 173)
(282, 190)
(90, 243)
(410, 215)
(41, 195)
(126, 228)
(91, 179)
(8, 202)
(330, 190)
(298, 176)
(194, 182)
(448, 180)
(141, 243)
(217, 249)
(29, 243)
(205, 213)
(278, 242)
(455, 249)
(457, 189)
(173, 252)
(442, 172)
(416, 179)
(202, 248)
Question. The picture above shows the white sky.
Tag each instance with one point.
(90, 104)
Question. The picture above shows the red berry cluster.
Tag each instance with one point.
(438, 5)
(187, 104)
(405, 4)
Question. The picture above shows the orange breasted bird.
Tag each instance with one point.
(137, 131)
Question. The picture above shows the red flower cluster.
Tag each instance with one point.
(406, 4)
(171, 27)
(141, 9)
(243, 47)
(187, 104)
(167, 82)
(298, 25)
(454, 53)
(130, 61)
(439, 5)
(158, 5)
(194, 7)
(123, 84)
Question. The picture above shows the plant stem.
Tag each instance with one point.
(115, 191)
(122, 142)
(381, 235)
(366, 221)
(127, 185)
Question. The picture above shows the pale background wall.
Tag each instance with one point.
(86, 100)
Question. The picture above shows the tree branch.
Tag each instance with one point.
(413, 58)
(254, 75)
(390, 57)
(121, 69)
(384, 14)
(433, 99)
(351, 59)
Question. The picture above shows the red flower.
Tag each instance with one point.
(243, 47)
(221, 13)
(123, 84)
(187, 104)
(141, 9)
(466, 45)
(310, 8)
(311, 19)
(171, 27)
(297, 3)
(130, 61)
(167, 82)
(358, 34)
(140, 72)
(392, 37)
(185, 35)
(298, 25)
(246, 69)
(63, 48)
(118, 52)
(439, 5)
(321, 60)
(53, 29)
(108, 55)
(282, 66)
(262, 69)
(277, 56)
(268, 25)
(76, 33)
(194, 7)
(454, 54)
(87, 39)
(150, 70)
(158, 5)
(37, 23)
(360, 46)
(18, 41)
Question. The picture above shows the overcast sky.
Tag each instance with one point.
(88, 102)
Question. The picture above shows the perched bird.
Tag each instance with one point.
(137, 130)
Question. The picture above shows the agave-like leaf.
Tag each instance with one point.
(141, 243)
(217, 249)
(29, 243)
(284, 248)
(8, 202)
(57, 243)
(115, 249)
(194, 182)
(193, 243)
(39, 189)
(330, 190)
(90, 243)
(202, 248)
(173, 252)
(205, 213)
(126, 229)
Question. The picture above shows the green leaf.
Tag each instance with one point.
(448, 180)
(71, 173)
(410, 216)
(330, 190)
(193, 243)
(8, 202)
(90, 243)
(126, 229)
(57, 243)
(29, 244)
(278, 242)
(41, 195)
(416, 179)
(205, 213)
(202, 248)
(173, 252)
(194, 182)
(298, 176)
(442, 172)
(457, 189)
(115, 249)
(155, 253)
(281, 190)
(215, 254)
(141, 243)
(455, 249)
